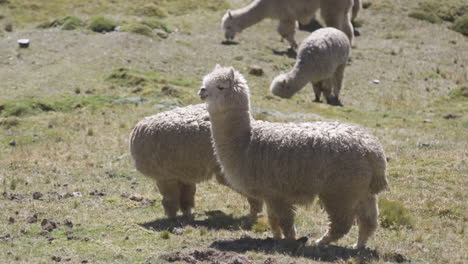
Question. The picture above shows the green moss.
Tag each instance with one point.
(102, 24)
(394, 214)
(461, 25)
(138, 28)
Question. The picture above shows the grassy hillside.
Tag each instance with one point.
(70, 193)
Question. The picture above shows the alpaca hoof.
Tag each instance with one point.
(317, 101)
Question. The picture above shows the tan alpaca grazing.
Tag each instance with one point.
(336, 13)
(286, 164)
(174, 148)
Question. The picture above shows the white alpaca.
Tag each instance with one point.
(334, 12)
(174, 148)
(286, 163)
(321, 60)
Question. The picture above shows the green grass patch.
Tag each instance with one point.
(102, 24)
(35, 106)
(67, 23)
(150, 10)
(459, 93)
(155, 23)
(394, 214)
(461, 25)
(130, 77)
(138, 28)
(426, 16)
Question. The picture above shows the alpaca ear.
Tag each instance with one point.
(231, 74)
(217, 67)
(229, 14)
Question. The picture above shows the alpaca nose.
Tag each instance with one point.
(202, 91)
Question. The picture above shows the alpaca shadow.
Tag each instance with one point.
(296, 248)
(229, 42)
(311, 26)
(215, 220)
(290, 53)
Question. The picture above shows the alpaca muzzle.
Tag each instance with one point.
(203, 93)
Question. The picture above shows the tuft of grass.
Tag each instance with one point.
(426, 16)
(165, 235)
(155, 23)
(366, 4)
(394, 214)
(261, 226)
(72, 23)
(461, 92)
(150, 10)
(461, 25)
(138, 28)
(102, 24)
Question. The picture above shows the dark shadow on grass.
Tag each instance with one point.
(215, 220)
(229, 42)
(289, 52)
(329, 253)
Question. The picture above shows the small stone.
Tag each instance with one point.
(136, 197)
(255, 70)
(56, 258)
(376, 81)
(424, 145)
(427, 121)
(117, 28)
(8, 27)
(48, 225)
(77, 194)
(11, 220)
(23, 43)
(68, 223)
(31, 219)
(161, 33)
(451, 116)
(37, 195)
(12, 143)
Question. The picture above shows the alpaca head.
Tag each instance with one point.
(280, 87)
(225, 89)
(230, 26)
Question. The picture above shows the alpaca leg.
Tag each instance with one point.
(339, 17)
(318, 87)
(284, 213)
(327, 86)
(286, 29)
(341, 213)
(171, 194)
(256, 207)
(187, 198)
(337, 84)
(274, 224)
(367, 215)
(357, 5)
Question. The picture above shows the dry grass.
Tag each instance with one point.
(68, 104)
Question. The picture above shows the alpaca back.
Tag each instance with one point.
(322, 52)
(174, 145)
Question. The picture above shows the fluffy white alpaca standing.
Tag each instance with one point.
(286, 164)
(334, 12)
(321, 60)
(174, 148)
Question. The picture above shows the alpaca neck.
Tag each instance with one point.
(297, 79)
(231, 132)
(251, 14)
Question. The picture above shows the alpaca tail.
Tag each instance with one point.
(379, 179)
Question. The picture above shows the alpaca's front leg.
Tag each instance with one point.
(286, 29)
(256, 207)
(283, 214)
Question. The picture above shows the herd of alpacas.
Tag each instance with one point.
(280, 165)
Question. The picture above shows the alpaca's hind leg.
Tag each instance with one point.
(339, 17)
(337, 84)
(341, 213)
(171, 197)
(318, 87)
(367, 213)
(187, 198)
(286, 29)
(283, 213)
(256, 207)
(357, 5)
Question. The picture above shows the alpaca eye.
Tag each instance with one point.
(220, 87)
